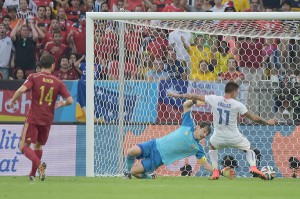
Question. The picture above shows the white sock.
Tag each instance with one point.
(250, 156)
(213, 155)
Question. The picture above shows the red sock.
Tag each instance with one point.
(39, 154)
(30, 154)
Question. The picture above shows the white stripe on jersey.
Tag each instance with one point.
(22, 15)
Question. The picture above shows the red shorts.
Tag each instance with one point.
(32, 133)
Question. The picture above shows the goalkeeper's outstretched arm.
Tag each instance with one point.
(226, 172)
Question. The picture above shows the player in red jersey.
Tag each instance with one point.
(45, 89)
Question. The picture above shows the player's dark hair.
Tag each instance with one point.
(206, 125)
(231, 86)
(46, 61)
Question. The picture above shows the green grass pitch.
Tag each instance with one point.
(160, 188)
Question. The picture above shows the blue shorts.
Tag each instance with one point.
(150, 155)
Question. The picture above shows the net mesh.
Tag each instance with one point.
(195, 57)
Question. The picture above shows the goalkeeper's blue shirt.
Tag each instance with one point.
(180, 143)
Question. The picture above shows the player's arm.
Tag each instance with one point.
(17, 95)
(187, 105)
(69, 100)
(259, 120)
(192, 97)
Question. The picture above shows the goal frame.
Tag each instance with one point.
(91, 16)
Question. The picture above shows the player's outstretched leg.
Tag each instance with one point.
(213, 154)
(255, 170)
(250, 156)
(42, 171)
(215, 175)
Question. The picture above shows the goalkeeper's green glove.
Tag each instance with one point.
(228, 172)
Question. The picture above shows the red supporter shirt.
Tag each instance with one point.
(45, 89)
(42, 2)
(158, 48)
(79, 40)
(45, 23)
(73, 15)
(172, 8)
(66, 25)
(133, 41)
(130, 70)
(57, 51)
(231, 76)
(49, 37)
(250, 54)
(71, 74)
(3, 12)
(162, 3)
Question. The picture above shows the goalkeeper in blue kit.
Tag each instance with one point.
(179, 144)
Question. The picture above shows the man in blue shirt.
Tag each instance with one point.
(179, 144)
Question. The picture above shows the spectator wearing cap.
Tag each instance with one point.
(74, 10)
(239, 5)
(23, 11)
(229, 7)
(25, 46)
(76, 36)
(3, 11)
(6, 47)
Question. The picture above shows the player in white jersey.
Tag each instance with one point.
(226, 133)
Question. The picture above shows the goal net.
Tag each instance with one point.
(134, 59)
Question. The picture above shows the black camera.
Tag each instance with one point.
(294, 165)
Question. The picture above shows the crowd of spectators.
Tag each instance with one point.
(32, 28)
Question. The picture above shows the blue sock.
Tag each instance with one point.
(129, 162)
(146, 176)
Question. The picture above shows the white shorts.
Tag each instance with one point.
(239, 142)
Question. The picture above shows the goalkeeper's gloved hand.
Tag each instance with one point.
(228, 172)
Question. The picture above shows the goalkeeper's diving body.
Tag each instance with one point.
(226, 133)
(181, 143)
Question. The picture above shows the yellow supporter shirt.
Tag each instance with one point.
(239, 5)
(222, 62)
(197, 56)
(208, 76)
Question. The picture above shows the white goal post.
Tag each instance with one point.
(91, 17)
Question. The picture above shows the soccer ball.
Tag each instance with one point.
(269, 172)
